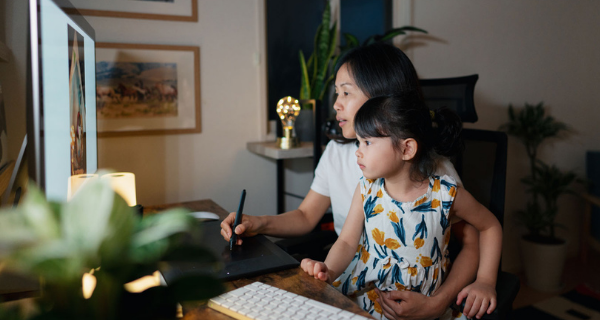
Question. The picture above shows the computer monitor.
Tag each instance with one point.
(61, 106)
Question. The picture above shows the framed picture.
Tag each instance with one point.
(147, 89)
(178, 10)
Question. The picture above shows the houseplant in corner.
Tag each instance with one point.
(543, 252)
(90, 253)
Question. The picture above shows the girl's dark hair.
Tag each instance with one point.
(405, 116)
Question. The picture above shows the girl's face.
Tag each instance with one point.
(377, 158)
(349, 99)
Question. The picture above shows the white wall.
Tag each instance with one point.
(523, 51)
(172, 168)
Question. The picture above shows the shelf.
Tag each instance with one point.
(270, 149)
(4, 52)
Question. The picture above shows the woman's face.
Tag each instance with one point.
(349, 99)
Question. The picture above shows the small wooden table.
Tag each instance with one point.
(294, 280)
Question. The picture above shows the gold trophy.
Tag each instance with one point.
(288, 109)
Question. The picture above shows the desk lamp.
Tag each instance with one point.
(124, 184)
(288, 109)
(77, 181)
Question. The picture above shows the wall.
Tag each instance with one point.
(523, 51)
(172, 168)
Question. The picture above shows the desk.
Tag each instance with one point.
(294, 280)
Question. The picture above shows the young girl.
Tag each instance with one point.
(402, 211)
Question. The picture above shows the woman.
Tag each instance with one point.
(365, 72)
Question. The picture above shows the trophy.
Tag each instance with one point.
(288, 109)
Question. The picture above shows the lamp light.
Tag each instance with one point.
(124, 184)
(288, 109)
(77, 181)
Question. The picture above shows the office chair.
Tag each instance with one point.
(484, 155)
(482, 169)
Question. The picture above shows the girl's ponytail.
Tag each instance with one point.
(447, 127)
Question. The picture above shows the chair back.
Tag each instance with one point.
(482, 168)
(454, 93)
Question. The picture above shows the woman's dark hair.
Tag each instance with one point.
(404, 116)
(381, 69)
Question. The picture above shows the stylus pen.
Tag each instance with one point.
(238, 219)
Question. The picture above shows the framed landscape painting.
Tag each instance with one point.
(147, 89)
(178, 10)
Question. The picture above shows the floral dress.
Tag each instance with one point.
(404, 244)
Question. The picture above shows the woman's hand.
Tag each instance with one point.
(409, 305)
(316, 269)
(247, 228)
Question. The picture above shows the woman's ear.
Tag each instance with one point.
(409, 148)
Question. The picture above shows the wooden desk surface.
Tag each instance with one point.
(294, 280)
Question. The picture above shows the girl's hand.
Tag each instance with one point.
(481, 298)
(247, 228)
(315, 268)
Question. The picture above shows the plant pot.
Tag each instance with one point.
(304, 126)
(543, 264)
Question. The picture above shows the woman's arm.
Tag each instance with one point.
(290, 224)
(414, 305)
(342, 252)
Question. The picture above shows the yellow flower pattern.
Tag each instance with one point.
(403, 249)
(393, 216)
(392, 243)
(419, 243)
(421, 201)
(452, 192)
(378, 236)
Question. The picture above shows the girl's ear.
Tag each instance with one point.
(409, 149)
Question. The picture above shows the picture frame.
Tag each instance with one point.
(176, 10)
(144, 89)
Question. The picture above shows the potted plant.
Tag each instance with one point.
(317, 73)
(93, 255)
(543, 252)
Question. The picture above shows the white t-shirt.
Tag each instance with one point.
(337, 176)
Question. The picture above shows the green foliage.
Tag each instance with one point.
(317, 72)
(96, 230)
(531, 126)
(549, 183)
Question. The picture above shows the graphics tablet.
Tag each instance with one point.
(256, 256)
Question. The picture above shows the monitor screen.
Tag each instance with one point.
(61, 128)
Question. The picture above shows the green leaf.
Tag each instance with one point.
(30, 223)
(151, 241)
(85, 219)
(304, 82)
(351, 41)
(161, 226)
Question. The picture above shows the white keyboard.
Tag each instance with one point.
(258, 301)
